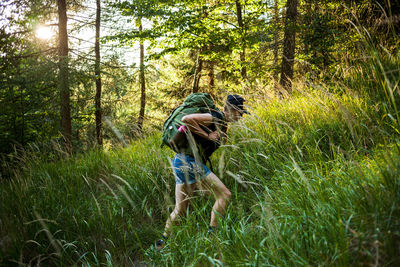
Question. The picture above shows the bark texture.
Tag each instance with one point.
(142, 84)
(197, 72)
(98, 112)
(65, 110)
(239, 14)
(289, 44)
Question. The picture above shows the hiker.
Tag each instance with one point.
(208, 130)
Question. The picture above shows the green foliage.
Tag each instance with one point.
(27, 92)
(377, 76)
(305, 192)
(314, 178)
(212, 28)
(319, 40)
(86, 185)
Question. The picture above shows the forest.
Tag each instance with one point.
(313, 168)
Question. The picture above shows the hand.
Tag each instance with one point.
(214, 136)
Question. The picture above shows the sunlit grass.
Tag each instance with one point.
(314, 181)
(313, 178)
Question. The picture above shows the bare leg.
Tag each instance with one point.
(222, 196)
(183, 192)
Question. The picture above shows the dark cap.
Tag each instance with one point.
(237, 102)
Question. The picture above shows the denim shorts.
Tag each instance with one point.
(187, 170)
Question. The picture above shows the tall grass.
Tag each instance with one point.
(313, 178)
(76, 210)
(306, 192)
(377, 75)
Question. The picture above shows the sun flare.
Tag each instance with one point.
(44, 33)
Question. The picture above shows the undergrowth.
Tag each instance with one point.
(314, 180)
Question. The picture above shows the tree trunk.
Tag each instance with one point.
(22, 140)
(197, 73)
(289, 45)
(65, 111)
(243, 70)
(199, 61)
(142, 83)
(211, 76)
(276, 47)
(98, 112)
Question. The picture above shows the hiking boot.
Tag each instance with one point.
(212, 229)
(161, 242)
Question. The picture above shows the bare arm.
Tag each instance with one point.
(194, 121)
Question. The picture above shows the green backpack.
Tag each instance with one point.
(194, 103)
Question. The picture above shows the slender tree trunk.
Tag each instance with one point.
(22, 118)
(307, 48)
(289, 44)
(276, 47)
(65, 111)
(243, 70)
(211, 76)
(197, 72)
(199, 61)
(142, 83)
(97, 72)
(14, 110)
(78, 111)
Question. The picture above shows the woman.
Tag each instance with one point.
(191, 172)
